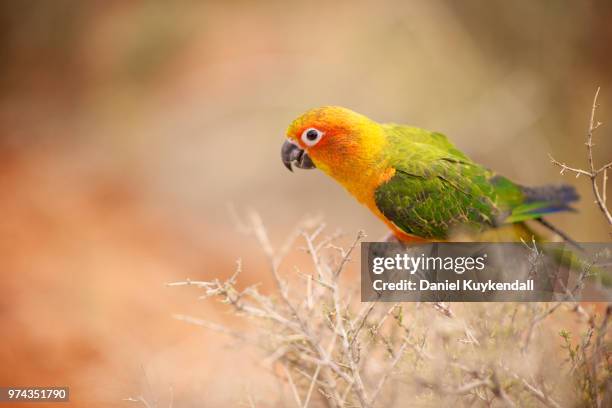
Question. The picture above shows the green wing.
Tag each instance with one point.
(429, 203)
(436, 188)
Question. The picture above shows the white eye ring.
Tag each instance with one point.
(311, 136)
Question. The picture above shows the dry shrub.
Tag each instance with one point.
(328, 349)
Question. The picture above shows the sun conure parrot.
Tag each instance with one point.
(417, 181)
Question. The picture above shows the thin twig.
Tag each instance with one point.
(294, 390)
(385, 377)
(592, 173)
(539, 394)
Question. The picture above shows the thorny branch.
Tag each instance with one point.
(593, 172)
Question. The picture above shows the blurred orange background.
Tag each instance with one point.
(128, 128)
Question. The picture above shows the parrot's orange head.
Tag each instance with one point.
(333, 139)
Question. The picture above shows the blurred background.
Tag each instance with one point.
(127, 129)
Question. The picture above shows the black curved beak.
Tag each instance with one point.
(292, 153)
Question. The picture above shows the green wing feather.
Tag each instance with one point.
(436, 188)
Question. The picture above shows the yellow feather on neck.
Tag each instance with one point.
(359, 166)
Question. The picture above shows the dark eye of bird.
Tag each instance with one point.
(312, 135)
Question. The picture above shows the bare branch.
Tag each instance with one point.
(592, 173)
(294, 390)
(385, 377)
(346, 256)
(539, 394)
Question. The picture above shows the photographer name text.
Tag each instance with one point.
(457, 285)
